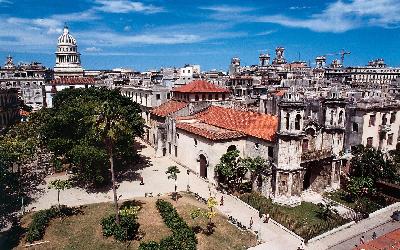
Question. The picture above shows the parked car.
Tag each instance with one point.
(396, 215)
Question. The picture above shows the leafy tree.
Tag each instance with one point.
(256, 166)
(230, 171)
(76, 129)
(60, 185)
(209, 215)
(172, 173)
(372, 163)
(360, 186)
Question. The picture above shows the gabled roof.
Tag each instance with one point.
(168, 108)
(200, 86)
(73, 80)
(209, 131)
(263, 126)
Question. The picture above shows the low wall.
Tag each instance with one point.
(337, 229)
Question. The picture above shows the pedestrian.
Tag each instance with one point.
(267, 218)
(251, 223)
(374, 236)
(221, 203)
(263, 218)
(141, 180)
(362, 240)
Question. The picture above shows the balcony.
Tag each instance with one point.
(316, 155)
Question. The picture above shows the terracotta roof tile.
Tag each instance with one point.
(200, 86)
(209, 131)
(258, 125)
(73, 80)
(168, 108)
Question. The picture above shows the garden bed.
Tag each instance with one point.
(303, 220)
(83, 231)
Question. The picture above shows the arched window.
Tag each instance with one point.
(287, 120)
(297, 122)
(341, 117)
(196, 97)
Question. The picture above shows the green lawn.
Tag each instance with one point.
(302, 219)
(83, 231)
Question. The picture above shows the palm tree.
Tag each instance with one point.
(110, 123)
(173, 172)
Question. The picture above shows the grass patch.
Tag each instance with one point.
(302, 219)
(83, 231)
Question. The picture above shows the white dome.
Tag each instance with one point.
(66, 38)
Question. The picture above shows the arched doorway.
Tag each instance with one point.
(203, 166)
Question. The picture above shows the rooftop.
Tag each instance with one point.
(168, 108)
(73, 80)
(388, 241)
(200, 86)
(209, 131)
(255, 124)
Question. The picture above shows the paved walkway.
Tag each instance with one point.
(156, 181)
(355, 231)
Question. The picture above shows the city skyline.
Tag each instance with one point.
(153, 34)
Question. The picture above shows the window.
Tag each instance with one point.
(196, 97)
(393, 117)
(176, 151)
(372, 119)
(304, 145)
(332, 117)
(158, 96)
(390, 139)
(384, 119)
(209, 96)
(370, 141)
(355, 127)
(297, 122)
(168, 96)
(271, 152)
(223, 97)
(177, 135)
(340, 117)
(203, 97)
(195, 142)
(287, 118)
(216, 97)
(257, 146)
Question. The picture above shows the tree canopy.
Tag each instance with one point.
(71, 131)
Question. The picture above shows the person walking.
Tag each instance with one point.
(251, 223)
(374, 236)
(362, 240)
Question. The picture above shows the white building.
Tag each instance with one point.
(68, 59)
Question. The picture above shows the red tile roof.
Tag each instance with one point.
(258, 125)
(200, 86)
(388, 241)
(209, 131)
(73, 80)
(169, 107)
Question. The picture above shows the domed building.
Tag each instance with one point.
(68, 61)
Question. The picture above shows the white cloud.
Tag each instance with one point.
(127, 28)
(126, 6)
(5, 2)
(93, 49)
(342, 16)
(227, 9)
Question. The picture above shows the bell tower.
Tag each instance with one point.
(288, 185)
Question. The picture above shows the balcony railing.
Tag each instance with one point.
(315, 155)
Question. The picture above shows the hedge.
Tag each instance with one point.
(182, 237)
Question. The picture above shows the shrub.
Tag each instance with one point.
(126, 230)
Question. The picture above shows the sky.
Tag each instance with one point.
(149, 34)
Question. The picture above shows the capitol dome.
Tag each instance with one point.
(66, 38)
